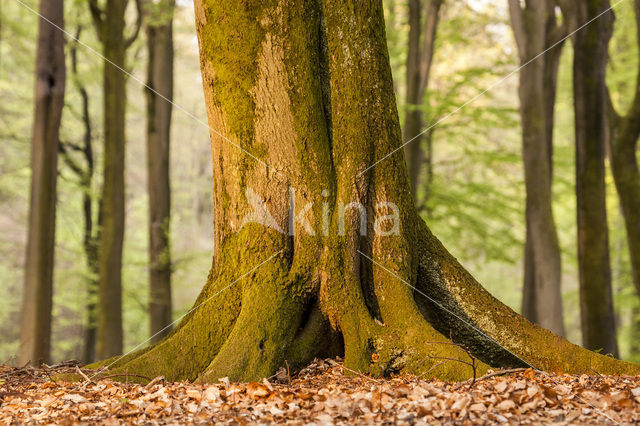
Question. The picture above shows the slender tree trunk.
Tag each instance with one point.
(110, 24)
(421, 47)
(295, 275)
(535, 30)
(35, 335)
(111, 232)
(623, 144)
(589, 67)
(160, 80)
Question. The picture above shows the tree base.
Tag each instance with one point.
(279, 314)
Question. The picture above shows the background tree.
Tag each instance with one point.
(110, 25)
(84, 170)
(387, 301)
(35, 338)
(590, 46)
(536, 30)
(623, 144)
(159, 30)
(421, 46)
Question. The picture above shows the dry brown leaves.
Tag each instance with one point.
(323, 393)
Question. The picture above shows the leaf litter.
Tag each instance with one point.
(324, 393)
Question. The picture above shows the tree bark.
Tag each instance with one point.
(421, 46)
(589, 67)
(536, 30)
(308, 87)
(35, 335)
(159, 96)
(623, 144)
(110, 24)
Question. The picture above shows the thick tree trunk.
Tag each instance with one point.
(35, 335)
(589, 67)
(623, 144)
(535, 30)
(159, 31)
(420, 51)
(308, 88)
(111, 220)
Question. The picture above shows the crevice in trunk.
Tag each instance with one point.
(367, 282)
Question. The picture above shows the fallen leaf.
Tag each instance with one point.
(533, 391)
(479, 407)
(211, 394)
(256, 390)
(460, 404)
(501, 386)
(505, 405)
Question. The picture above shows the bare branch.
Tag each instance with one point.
(96, 17)
(129, 41)
(517, 23)
(569, 14)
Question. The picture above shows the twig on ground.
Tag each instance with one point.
(155, 381)
(359, 374)
(498, 373)
(84, 376)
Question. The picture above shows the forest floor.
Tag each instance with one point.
(323, 393)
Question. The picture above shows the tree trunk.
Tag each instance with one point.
(623, 144)
(111, 233)
(535, 30)
(419, 60)
(110, 24)
(308, 89)
(159, 96)
(589, 67)
(35, 335)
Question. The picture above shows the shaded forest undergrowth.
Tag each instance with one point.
(325, 392)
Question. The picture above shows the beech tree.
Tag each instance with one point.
(303, 122)
(590, 45)
(109, 21)
(536, 30)
(159, 31)
(623, 145)
(421, 46)
(35, 337)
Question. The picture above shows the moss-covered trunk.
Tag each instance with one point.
(301, 103)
